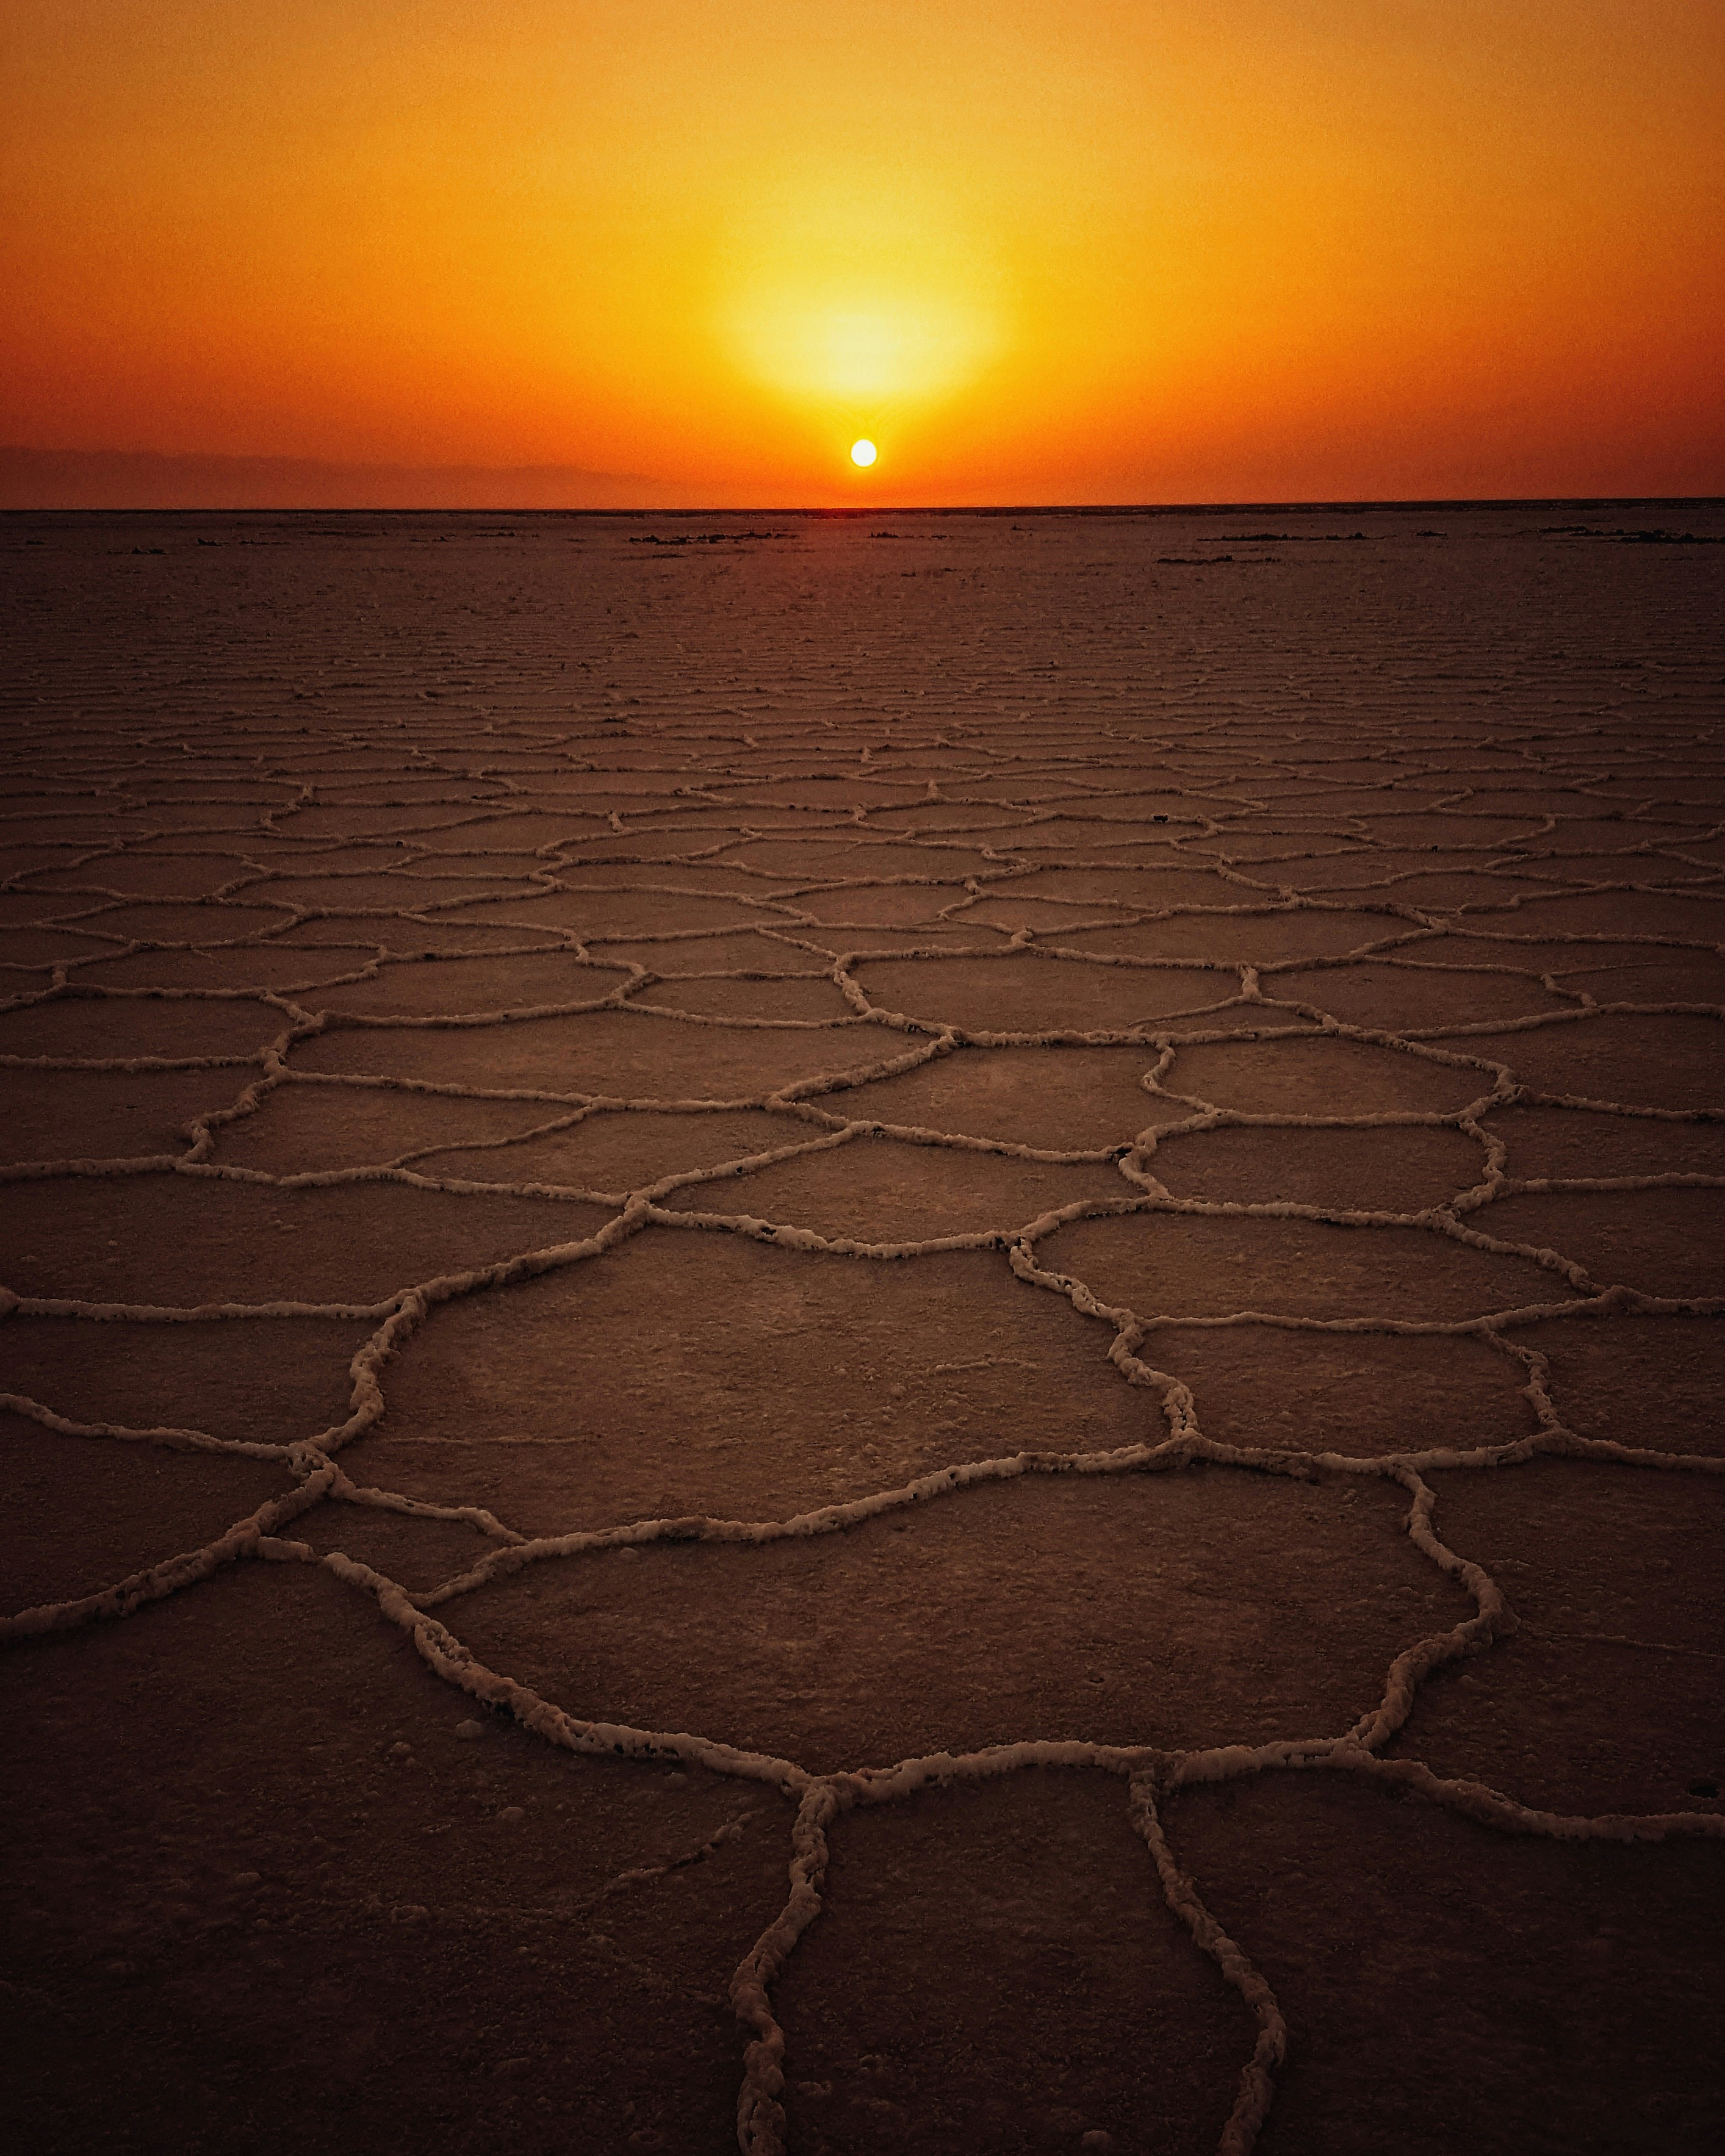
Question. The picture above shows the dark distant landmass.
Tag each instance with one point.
(33, 479)
(135, 479)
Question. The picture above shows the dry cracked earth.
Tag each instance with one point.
(846, 1333)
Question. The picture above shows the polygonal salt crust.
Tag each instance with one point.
(819, 1000)
(1005, 911)
(26, 864)
(213, 820)
(625, 786)
(528, 828)
(1148, 889)
(869, 908)
(1610, 1695)
(627, 1054)
(1360, 1393)
(86, 1512)
(688, 1372)
(400, 893)
(208, 925)
(1172, 1609)
(658, 836)
(32, 812)
(1401, 1169)
(1663, 976)
(182, 1241)
(1416, 997)
(1177, 803)
(439, 936)
(1508, 943)
(302, 1129)
(981, 820)
(1448, 1987)
(104, 1028)
(471, 864)
(1190, 1266)
(1660, 868)
(1106, 841)
(747, 951)
(1272, 852)
(687, 877)
(597, 914)
(285, 1887)
(1029, 672)
(1254, 939)
(1579, 1141)
(1321, 1074)
(1026, 994)
(1447, 890)
(1398, 801)
(247, 966)
(49, 946)
(21, 909)
(204, 799)
(628, 1149)
(325, 859)
(1463, 829)
(940, 1908)
(1027, 790)
(820, 860)
(107, 1114)
(450, 987)
(269, 1381)
(1062, 1099)
(874, 1190)
(1537, 801)
(398, 787)
(419, 1553)
(1326, 873)
(1694, 920)
(816, 792)
(144, 876)
(672, 829)
(1656, 1384)
(962, 932)
(1663, 1242)
(1610, 831)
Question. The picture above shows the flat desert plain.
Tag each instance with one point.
(841, 1333)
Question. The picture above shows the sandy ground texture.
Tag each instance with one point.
(842, 1333)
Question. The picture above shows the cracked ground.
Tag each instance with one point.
(828, 1337)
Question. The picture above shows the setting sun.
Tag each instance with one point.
(862, 453)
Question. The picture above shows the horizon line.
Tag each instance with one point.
(1292, 505)
(36, 481)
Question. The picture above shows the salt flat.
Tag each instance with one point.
(865, 1331)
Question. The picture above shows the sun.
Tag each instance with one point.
(863, 452)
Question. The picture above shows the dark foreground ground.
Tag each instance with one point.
(898, 1334)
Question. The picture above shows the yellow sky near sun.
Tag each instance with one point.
(1074, 250)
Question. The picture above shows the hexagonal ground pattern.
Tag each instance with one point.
(879, 1337)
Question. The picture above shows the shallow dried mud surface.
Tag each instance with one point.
(865, 1338)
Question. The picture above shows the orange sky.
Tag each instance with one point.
(1037, 250)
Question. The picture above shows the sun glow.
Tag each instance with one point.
(851, 346)
(853, 304)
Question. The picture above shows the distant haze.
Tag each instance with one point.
(113, 479)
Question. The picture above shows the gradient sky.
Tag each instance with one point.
(1037, 250)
